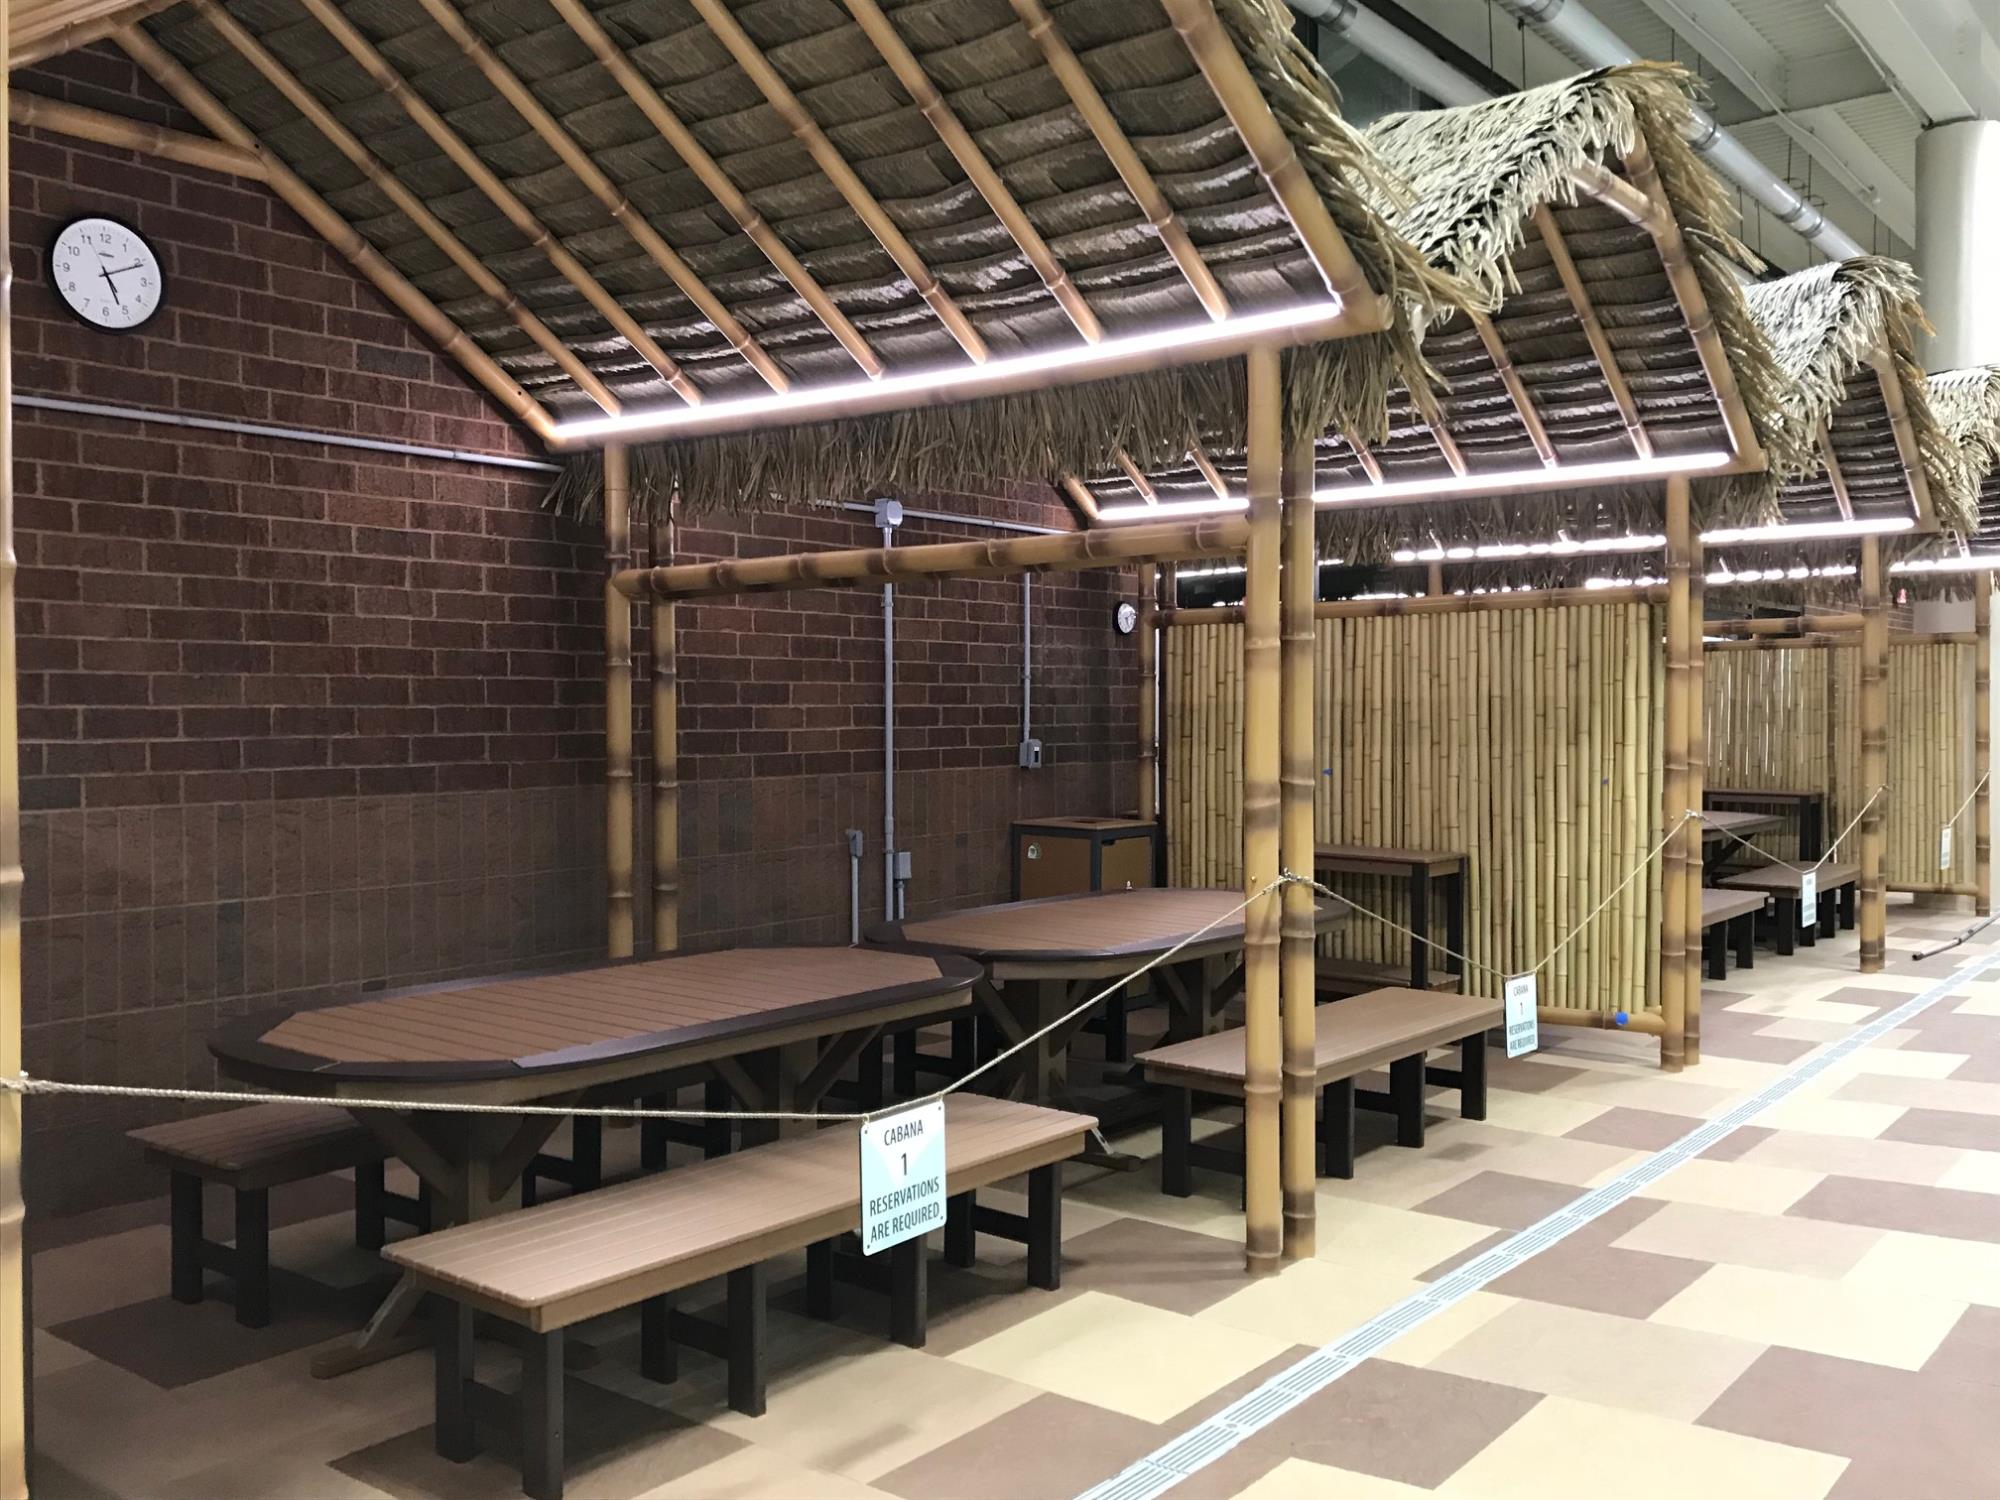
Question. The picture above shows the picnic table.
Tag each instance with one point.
(1421, 869)
(775, 1025)
(1716, 828)
(1808, 809)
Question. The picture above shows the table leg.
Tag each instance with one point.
(1420, 925)
(1454, 923)
(770, 1080)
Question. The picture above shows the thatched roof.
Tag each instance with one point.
(898, 252)
(1966, 404)
(1486, 183)
(1843, 332)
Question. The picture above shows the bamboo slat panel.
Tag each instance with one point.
(1527, 738)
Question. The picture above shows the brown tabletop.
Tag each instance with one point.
(1376, 859)
(1714, 825)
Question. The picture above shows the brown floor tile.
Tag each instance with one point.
(1501, 1199)
(1971, 1351)
(1049, 1446)
(1641, 1129)
(1525, 1075)
(1588, 1271)
(1946, 1127)
(1395, 1421)
(1738, 1142)
(1903, 1205)
(1171, 1268)
(1911, 1436)
(1748, 1046)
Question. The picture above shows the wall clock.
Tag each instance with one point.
(105, 273)
(1125, 617)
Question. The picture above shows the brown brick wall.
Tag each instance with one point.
(300, 720)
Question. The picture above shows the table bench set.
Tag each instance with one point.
(1738, 905)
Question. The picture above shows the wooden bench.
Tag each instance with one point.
(1729, 919)
(1835, 899)
(1393, 1026)
(548, 1267)
(251, 1151)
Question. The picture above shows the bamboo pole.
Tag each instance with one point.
(1909, 453)
(60, 26)
(505, 199)
(1874, 754)
(1517, 391)
(1080, 497)
(1696, 789)
(1787, 625)
(1835, 475)
(40, 113)
(1263, 1233)
(1593, 330)
(1982, 745)
(666, 751)
(1163, 541)
(1440, 604)
(1298, 583)
(1149, 692)
(308, 205)
(14, 1325)
(1209, 471)
(1933, 887)
(412, 207)
(444, 14)
(1138, 477)
(1686, 841)
(618, 810)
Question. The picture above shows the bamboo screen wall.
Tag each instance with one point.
(1789, 718)
(1527, 738)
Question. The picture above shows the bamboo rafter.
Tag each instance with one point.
(1517, 391)
(1370, 465)
(709, 172)
(412, 207)
(41, 113)
(1081, 497)
(1908, 454)
(344, 238)
(1209, 471)
(1432, 411)
(972, 161)
(1111, 138)
(1834, 475)
(1138, 477)
(517, 94)
(1593, 330)
(44, 30)
(827, 157)
(517, 213)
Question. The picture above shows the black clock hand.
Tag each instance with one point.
(112, 284)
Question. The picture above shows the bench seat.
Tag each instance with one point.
(554, 1265)
(1837, 888)
(1729, 919)
(250, 1151)
(1395, 1027)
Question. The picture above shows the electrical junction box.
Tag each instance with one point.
(1031, 755)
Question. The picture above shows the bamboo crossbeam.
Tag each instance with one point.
(1209, 471)
(1784, 643)
(411, 206)
(1982, 744)
(1158, 541)
(1622, 197)
(444, 14)
(1932, 888)
(618, 802)
(1835, 475)
(1081, 497)
(61, 26)
(1138, 477)
(502, 197)
(826, 156)
(1117, 147)
(1277, 161)
(1149, 691)
(1263, 1236)
(1786, 625)
(1517, 390)
(666, 752)
(1644, 1022)
(1908, 453)
(684, 144)
(1677, 728)
(39, 112)
(1299, 780)
(337, 232)
(1593, 330)
(1445, 604)
(1874, 754)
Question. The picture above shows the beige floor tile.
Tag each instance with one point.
(1973, 1172)
(1904, 1062)
(831, 1413)
(53, 1355)
(1826, 1116)
(1984, 1002)
(1622, 1362)
(1846, 1156)
(94, 1276)
(1125, 1356)
(1771, 1242)
(1925, 1093)
(1296, 1479)
(1552, 1113)
(1687, 1094)
(1391, 1177)
(1845, 1013)
(1794, 1030)
(1968, 1270)
(759, 1473)
(1578, 1450)
(1390, 1241)
(1580, 1164)
(1732, 1184)
(1885, 1326)
(1321, 1302)
(1424, 1343)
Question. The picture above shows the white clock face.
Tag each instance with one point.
(1127, 618)
(106, 273)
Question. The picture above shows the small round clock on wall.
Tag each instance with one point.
(105, 273)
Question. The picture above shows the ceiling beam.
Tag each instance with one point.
(38, 31)
(74, 120)
(1937, 53)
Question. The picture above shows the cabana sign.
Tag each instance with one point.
(902, 1176)
(1524, 1032)
(1809, 899)
(1944, 847)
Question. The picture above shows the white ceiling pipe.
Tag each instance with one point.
(1583, 33)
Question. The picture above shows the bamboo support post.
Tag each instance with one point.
(1982, 744)
(666, 751)
(1697, 785)
(1149, 691)
(407, 202)
(40, 113)
(1263, 1233)
(502, 197)
(1678, 717)
(164, 70)
(1874, 754)
(1298, 584)
(618, 809)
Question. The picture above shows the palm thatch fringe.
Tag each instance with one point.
(1967, 406)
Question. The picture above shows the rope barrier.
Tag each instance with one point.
(1952, 821)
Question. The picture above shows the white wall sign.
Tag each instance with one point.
(1524, 1032)
(902, 1176)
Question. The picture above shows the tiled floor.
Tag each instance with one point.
(1811, 1310)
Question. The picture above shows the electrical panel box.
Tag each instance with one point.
(1067, 856)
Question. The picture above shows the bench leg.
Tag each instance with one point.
(909, 1292)
(1176, 1132)
(370, 1227)
(1472, 1077)
(454, 1435)
(1045, 1227)
(964, 1045)
(746, 1340)
(1716, 951)
(658, 1358)
(253, 1257)
(716, 1139)
(961, 1240)
(1788, 927)
(903, 1065)
(653, 1134)
(1848, 894)
(184, 1208)
(1829, 918)
(1114, 1030)
(1746, 940)
(869, 1075)
(586, 1153)
(819, 1280)
(1406, 1092)
(542, 1416)
(1336, 1128)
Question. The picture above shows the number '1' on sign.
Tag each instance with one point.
(1524, 1030)
(902, 1176)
